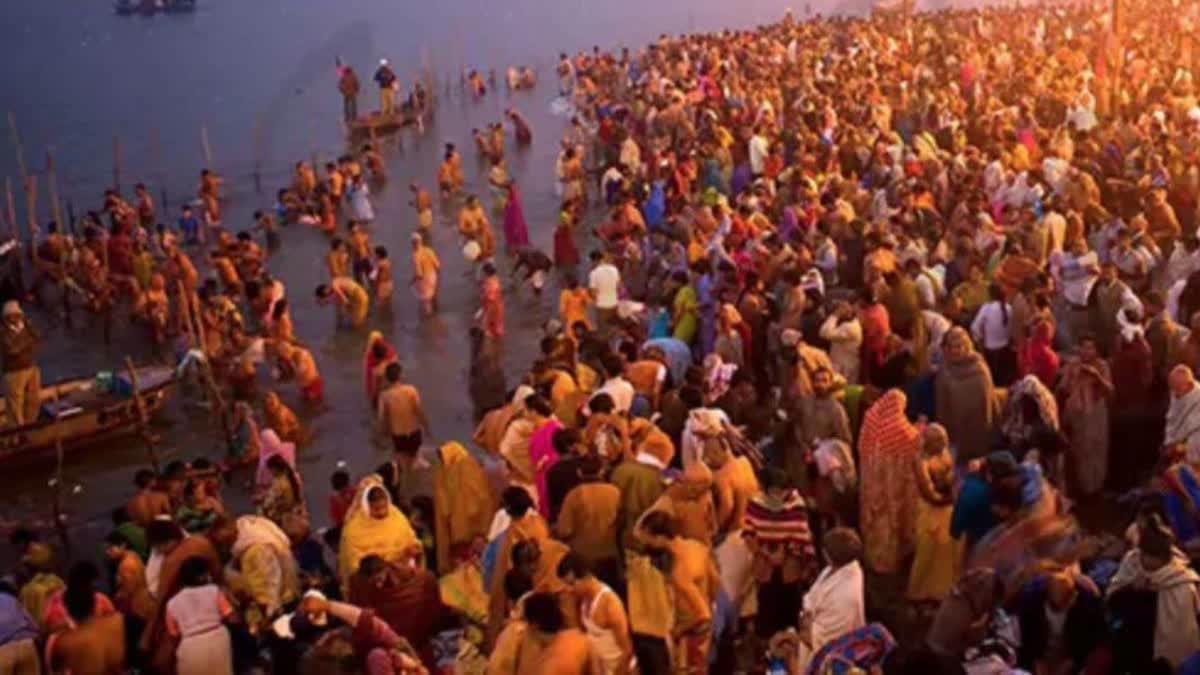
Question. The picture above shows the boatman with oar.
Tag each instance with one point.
(22, 378)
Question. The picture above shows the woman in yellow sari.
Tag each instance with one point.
(373, 526)
(463, 504)
(939, 556)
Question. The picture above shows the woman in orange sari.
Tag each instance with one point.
(888, 448)
(279, 417)
(491, 301)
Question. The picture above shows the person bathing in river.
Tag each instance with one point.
(423, 204)
(350, 299)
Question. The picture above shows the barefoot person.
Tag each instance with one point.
(425, 274)
(423, 204)
(350, 299)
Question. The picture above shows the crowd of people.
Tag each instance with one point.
(907, 302)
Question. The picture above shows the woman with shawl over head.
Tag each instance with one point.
(243, 447)
(888, 447)
(272, 446)
(373, 526)
(1136, 419)
(283, 496)
(1037, 355)
(376, 357)
(1030, 422)
(516, 232)
(964, 396)
(938, 559)
(463, 504)
(1085, 389)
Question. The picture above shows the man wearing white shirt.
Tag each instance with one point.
(604, 281)
(759, 149)
(991, 328)
(616, 386)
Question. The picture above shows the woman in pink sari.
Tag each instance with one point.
(543, 458)
(270, 447)
(516, 232)
(491, 303)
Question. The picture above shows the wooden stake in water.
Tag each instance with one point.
(31, 208)
(143, 416)
(60, 518)
(206, 147)
(10, 210)
(117, 163)
(156, 158)
(52, 185)
(258, 153)
(16, 141)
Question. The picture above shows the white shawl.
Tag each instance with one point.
(835, 603)
(1176, 633)
(1183, 423)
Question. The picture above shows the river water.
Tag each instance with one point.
(99, 89)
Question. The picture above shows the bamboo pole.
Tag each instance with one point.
(52, 186)
(206, 147)
(60, 518)
(156, 158)
(16, 141)
(258, 153)
(31, 208)
(10, 213)
(143, 417)
(10, 210)
(116, 152)
(185, 312)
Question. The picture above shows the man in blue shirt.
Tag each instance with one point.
(972, 514)
(189, 225)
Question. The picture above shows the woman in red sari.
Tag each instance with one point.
(887, 449)
(491, 301)
(1037, 356)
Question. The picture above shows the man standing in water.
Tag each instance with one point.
(401, 415)
(348, 86)
(22, 378)
(386, 79)
(423, 203)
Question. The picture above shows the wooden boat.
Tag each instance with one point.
(378, 124)
(86, 410)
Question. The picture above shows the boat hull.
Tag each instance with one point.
(103, 418)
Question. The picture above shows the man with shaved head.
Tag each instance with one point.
(1183, 417)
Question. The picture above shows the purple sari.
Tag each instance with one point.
(516, 232)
